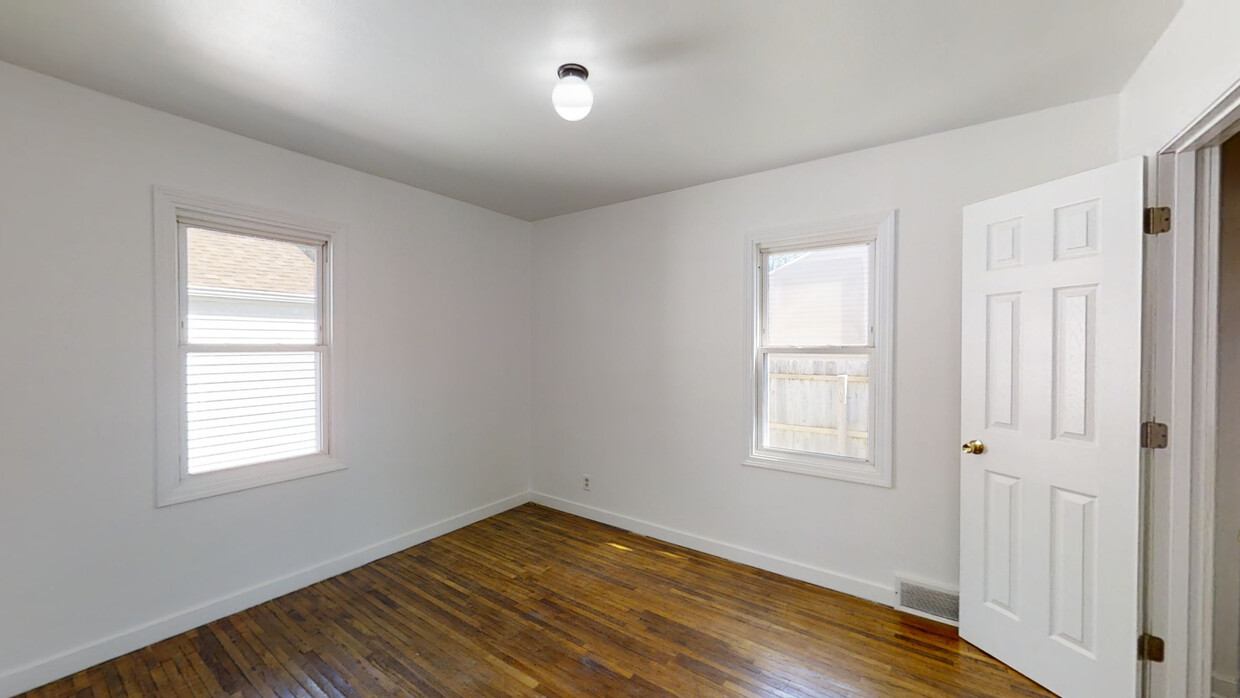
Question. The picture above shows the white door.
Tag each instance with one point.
(1051, 387)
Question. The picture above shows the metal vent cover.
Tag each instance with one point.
(929, 601)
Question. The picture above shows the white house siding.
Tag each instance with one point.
(247, 407)
(821, 299)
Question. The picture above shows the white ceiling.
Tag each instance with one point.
(454, 95)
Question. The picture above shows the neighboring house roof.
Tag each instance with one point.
(241, 262)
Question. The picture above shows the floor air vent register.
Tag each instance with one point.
(928, 601)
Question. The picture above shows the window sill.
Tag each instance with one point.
(191, 487)
(848, 470)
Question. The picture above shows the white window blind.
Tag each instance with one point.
(254, 348)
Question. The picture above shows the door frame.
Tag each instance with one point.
(1182, 383)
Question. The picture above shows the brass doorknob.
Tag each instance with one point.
(975, 447)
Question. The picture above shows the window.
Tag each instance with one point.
(246, 344)
(820, 358)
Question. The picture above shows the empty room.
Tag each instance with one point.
(788, 348)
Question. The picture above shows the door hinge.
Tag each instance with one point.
(1153, 435)
(1150, 648)
(1157, 220)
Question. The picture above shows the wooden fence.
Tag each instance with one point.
(819, 404)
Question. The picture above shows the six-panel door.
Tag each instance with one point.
(1051, 369)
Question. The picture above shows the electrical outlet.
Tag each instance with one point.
(585, 482)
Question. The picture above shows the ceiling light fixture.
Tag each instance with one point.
(572, 97)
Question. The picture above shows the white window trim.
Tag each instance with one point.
(879, 228)
(173, 482)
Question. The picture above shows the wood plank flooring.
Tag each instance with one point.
(537, 602)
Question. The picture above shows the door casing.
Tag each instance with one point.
(1181, 380)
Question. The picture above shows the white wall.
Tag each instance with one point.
(639, 374)
(1194, 62)
(437, 360)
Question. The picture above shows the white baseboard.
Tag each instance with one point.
(835, 581)
(45, 670)
(1223, 686)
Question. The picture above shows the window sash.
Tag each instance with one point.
(240, 226)
(764, 253)
(322, 280)
(321, 347)
(322, 402)
(763, 413)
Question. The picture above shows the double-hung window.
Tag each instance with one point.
(821, 350)
(245, 360)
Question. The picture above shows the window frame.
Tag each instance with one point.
(877, 230)
(174, 213)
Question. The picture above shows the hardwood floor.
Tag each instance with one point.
(538, 602)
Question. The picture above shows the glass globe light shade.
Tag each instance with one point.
(572, 98)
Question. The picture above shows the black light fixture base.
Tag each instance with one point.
(573, 69)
